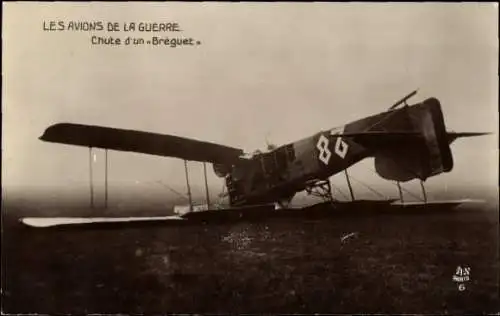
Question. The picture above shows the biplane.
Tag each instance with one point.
(406, 141)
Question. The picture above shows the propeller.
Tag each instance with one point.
(403, 100)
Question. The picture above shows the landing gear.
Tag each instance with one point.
(321, 189)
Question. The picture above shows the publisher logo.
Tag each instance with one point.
(461, 277)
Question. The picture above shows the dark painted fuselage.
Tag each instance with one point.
(279, 174)
(407, 143)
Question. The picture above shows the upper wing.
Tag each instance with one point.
(140, 142)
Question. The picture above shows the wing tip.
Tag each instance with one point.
(52, 130)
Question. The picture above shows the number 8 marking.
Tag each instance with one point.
(324, 152)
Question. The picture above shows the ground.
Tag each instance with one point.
(394, 263)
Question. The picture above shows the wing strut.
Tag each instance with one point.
(106, 179)
(423, 191)
(206, 184)
(91, 180)
(188, 187)
(349, 184)
(400, 191)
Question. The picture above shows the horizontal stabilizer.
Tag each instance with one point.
(61, 221)
(140, 142)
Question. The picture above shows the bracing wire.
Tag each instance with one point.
(368, 187)
(174, 191)
(340, 191)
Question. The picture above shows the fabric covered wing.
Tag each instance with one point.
(44, 222)
(140, 142)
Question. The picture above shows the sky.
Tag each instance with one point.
(263, 71)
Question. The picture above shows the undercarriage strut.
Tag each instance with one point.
(321, 189)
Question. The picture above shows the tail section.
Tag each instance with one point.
(407, 141)
(426, 154)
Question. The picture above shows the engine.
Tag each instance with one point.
(221, 170)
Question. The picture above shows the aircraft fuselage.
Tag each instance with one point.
(407, 143)
(286, 170)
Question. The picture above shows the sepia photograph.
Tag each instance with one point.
(266, 157)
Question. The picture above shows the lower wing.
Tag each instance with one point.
(41, 222)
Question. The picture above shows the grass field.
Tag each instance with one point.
(397, 263)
